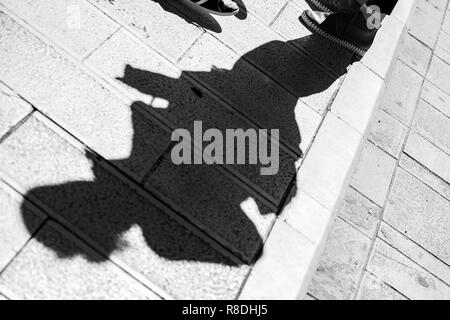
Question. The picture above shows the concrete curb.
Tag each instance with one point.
(294, 246)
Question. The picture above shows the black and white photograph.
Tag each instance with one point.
(219, 157)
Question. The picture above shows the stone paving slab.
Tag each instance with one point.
(408, 248)
(414, 252)
(373, 173)
(275, 57)
(436, 97)
(283, 267)
(387, 133)
(13, 232)
(374, 289)
(438, 74)
(198, 192)
(404, 275)
(427, 20)
(432, 125)
(182, 104)
(74, 23)
(159, 27)
(12, 109)
(402, 93)
(271, 106)
(425, 175)
(443, 47)
(420, 213)
(40, 273)
(102, 109)
(129, 227)
(446, 23)
(360, 212)
(429, 155)
(415, 54)
(79, 103)
(266, 11)
(343, 260)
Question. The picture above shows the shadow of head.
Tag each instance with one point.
(109, 211)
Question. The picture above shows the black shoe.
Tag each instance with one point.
(218, 7)
(332, 6)
(348, 30)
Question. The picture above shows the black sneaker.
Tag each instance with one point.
(218, 7)
(332, 6)
(348, 30)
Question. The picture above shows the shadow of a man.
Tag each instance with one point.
(105, 208)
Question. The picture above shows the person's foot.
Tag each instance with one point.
(218, 7)
(350, 31)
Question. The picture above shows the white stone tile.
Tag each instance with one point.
(308, 217)
(402, 93)
(415, 54)
(373, 288)
(284, 269)
(432, 125)
(404, 275)
(429, 155)
(436, 97)
(358, 97)
(420, 213)
(387, 133)
(361, 213)
(425, 175)
(415, 252)
(383, 53)
(341, 263)
(439, 74)
(373, 173)
(325, 172)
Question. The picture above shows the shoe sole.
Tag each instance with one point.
(320, 6)
(217, 13)
(315, 28)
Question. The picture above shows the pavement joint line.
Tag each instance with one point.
(406, 266)
(121, 93)
(120, 172)
(124, 96)
(364, 196)
(14, 127)
(51, 215)
(125, 274)
(174, 64)
(119, 27)
(385, 283)
(216, 244)
(230, 106)
(7, 293)
(294, 47)
(429, 172)
(420, 246)
(337, 198)
(125, 26)
(428, 140)
(397, 163)
(35, 210)
(182, 218)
